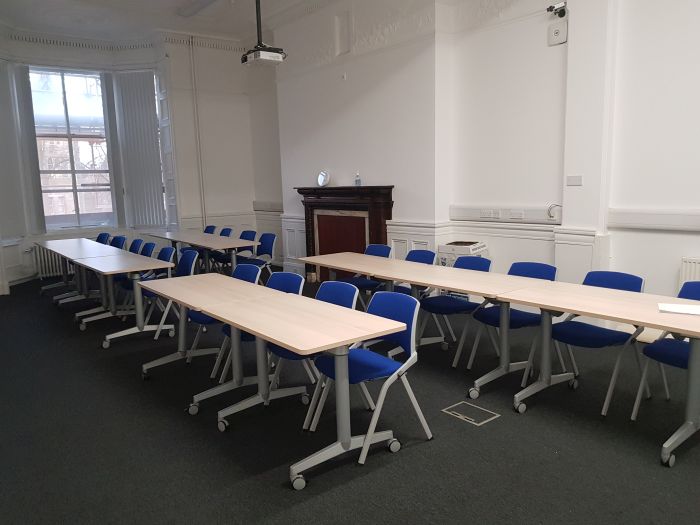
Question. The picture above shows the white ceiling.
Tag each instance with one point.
(132, 19)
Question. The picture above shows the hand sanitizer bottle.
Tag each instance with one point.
(358, 180)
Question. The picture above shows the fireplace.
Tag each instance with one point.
(344, 219)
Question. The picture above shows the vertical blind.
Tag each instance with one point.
(139, 155)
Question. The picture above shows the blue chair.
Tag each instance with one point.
(334, 292)
(364, 365)
(490, 317)
(365, 284)
(135, 246)
(672, 351)
(102, 238)
(207, 229)
(118, 241)
(287, 282)
(147, 249)
(585, 335)
(418, 256)
(247, 235)
(452, 304)
(263, 254)
(243, 272)
(214, 254)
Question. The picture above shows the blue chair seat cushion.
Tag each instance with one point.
(245, 336)
(670, 352)
(200, 318)
(250, 260)
(586, 335)
(220, 257)
(447, 305)
(363, 283)
(284, 353)
(518, 319)
(364, 365)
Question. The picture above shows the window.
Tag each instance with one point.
(76, 182)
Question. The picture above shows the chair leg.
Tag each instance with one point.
(439, 326)
(416, 407)
(423, 324)
(530, 359)
(638, 399)
(367, 397)
(163, 318)
(195, 343)
(475, 346)
(227, 366)
(449, 328)
(492, 336)
(561, 358)
(309, 372)
(460, 346)
(375, 418)
(635, 349)
(362, 301)
(151, 307)
(572, 359)
(219, 357)
(310, 412)
(276, 376)
(321, 403)
(662, 371)
(613, 381)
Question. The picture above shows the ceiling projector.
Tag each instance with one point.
(262, 53)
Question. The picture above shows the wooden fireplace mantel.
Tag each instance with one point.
(375, 200)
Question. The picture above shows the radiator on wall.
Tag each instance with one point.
(47, 263)
(690, 269)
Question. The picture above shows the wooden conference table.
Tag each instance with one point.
(209, 241)
(552, 298)
(299, 324)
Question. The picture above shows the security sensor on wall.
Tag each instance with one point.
(558, 9)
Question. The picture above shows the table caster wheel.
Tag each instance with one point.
(394, 445)
(573, 384)
(171, 333)
(105, 344)
(82, 327)
(193, 410)
(473, 393)
(298, 482)
(145, 376)
(520, 408)
(305, 399)
(223, 425)
(444, 345)
(669, 462)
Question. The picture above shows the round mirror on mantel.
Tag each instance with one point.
(323, 179)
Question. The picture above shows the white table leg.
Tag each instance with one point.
(692, 408)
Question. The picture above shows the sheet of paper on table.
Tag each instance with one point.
(671, 308)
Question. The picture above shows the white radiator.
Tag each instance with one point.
(690, 269)
(47, 263)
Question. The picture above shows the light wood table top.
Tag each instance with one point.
(485, 284)
(124, 262)
(78, 248)
(301, 324)
(212, 241)
(196, 291)
(639, 309)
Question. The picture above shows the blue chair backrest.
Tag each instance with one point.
(399, 307)
(336, 292)
(247, 272)
(286, 282)
(533, 269)
(421, 256)
(118, 242)
(102, 238)
(147, 249)
(267, 244)
(210, 229)
(226, 232)
(166, 254)
(248, 235)
(185, 266)
(690, 290)
(472, 262)
(135, 246)
(378, 250)
(614, 280)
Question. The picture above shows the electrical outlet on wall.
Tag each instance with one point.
(574, 180)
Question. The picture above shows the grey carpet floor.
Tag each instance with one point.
(85, 440)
